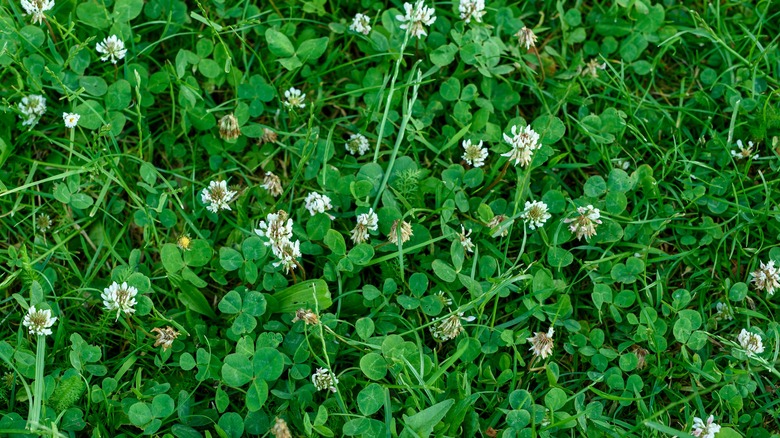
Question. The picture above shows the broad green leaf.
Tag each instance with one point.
(279, 44)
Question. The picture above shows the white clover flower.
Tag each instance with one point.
(119, 297)
(496, 221)
(272, 184)
(361, 24)
(217, 196)
(750, 342)
(417, 18)
(112, 48)
(317, 203)
(585, 224)
(32, 108)
(527, 38)
(277, 228)
(744, 152)
(536, 214)
(542, 343)
(523, 143)
(449, 327)
(228, 127)
(405, 231)
(766, 277)
(294, 99)
(592, 68)
(474, 154)
(471, 9)
(357, 144)
(445, 300)
(43, 222)
(36, 8)
(39, 321)
(324, 379)
(705, 430)
(365, 222)
(465, 239)
(165, 337)
(280, 429)
(724, 311)
(71, 119)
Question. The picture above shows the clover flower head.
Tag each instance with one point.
(323, 379)
(112, 48)
(280, 429)
(184, 242)
(471, 9)
(272, 184)
(307, 316)
(524, 142)
(542, 343)
(317, 203)
(723, 311)
(365, 222)
(449, 327)
(43, 222)
(417, 18)
(536, 214)
(277, 228)
(36, 9)
(750, 342)
(217, 196)
(165, 337)
(585, 224)
(706, 429)
(357, 144)
(32, 107)
(527, 38)
(465, 239)
(119, 297)
(228, 127)
(39, 321)
(361, 24)
(592, 68)
(743, 151)
(71, 119)
(766, 277)
(474, 154)
(405, 229)
(294, 98)
(269, 136)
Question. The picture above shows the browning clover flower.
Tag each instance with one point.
(307, 316)
(39, 321)
(766, 277)
(536, 214)
(592, 68)
(542, 343)
(269, 136)
(705, 430)
(523, 143)
(724, 311)
(744, 151)
(165, 337)
(272, 184)
(417, 17)
(585, 224)
(324, 379)
(228, 128)
(496, 222)
(280, 429)
(527, 38)
(405, 231)
(184, 242)
(361, 24)
(120, 298)
(449, 327)
(112, 48)
(365, 222)
(750, 342)
(217, 196)
(474, 154)
(357, 144)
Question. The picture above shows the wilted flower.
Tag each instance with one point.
(766, 277)
(496, 221)
(474, 154)
(417, 18)
(523, 143)
(272, 184)
(112, 49)
(449, 327)
(584, 224)
(280, 429)
(32, 108)
(324, 379)
(357, 144)
(317, 203)
(527, 38)
(165, 336)
(43, 222)
(471, 9)
(405, 231)
(705, 430)
(365, 222)
(184, 242)
(269, 136)
(361, 24)
(36, 8)
(307, 316)
(39, 321)
(535, 214)
(228, 128)
(445, 300)
(744, 152)
(71, 119)
(592, 68)
(294, 99)
(750, 342)
(542, 343)
(465, 240)
(217, 196)
(277, 228)
(119, 297)
(724, 311)
(640, 353)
